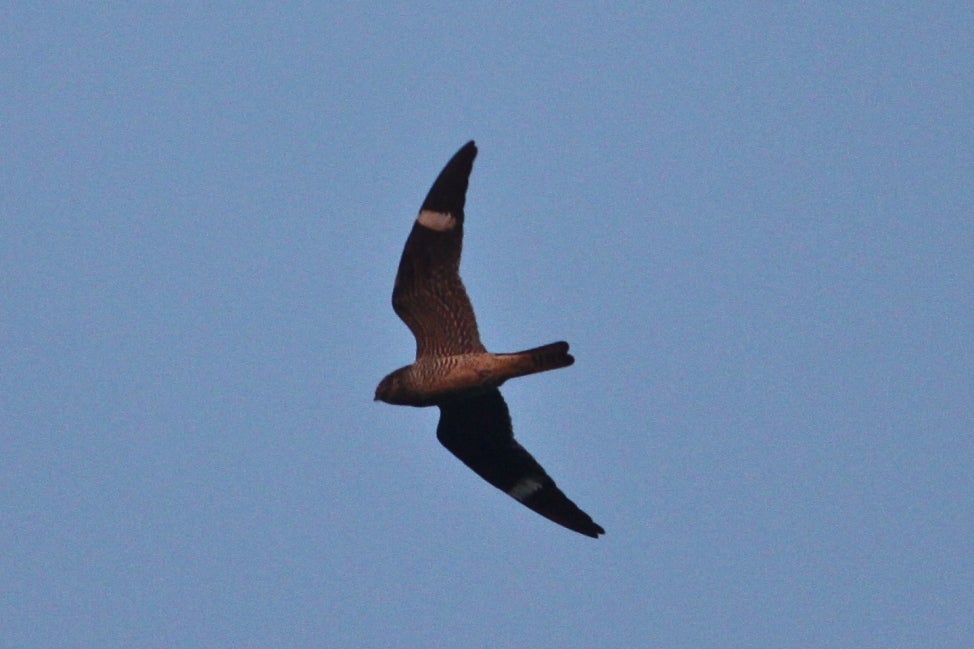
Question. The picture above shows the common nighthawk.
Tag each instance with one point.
(454, 371)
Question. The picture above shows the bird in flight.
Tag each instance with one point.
(454, 371)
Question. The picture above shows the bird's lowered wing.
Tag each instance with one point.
(477, 429)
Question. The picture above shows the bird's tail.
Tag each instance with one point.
(539, 359)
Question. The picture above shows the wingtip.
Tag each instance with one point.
(587, 527)
(595, 531)
(449, 192)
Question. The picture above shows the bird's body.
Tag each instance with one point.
(433, 380)
(454, 371)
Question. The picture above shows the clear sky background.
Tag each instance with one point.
(754, 223)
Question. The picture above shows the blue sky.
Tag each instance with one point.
(754, 223)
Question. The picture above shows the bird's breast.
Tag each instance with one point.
(434, 380)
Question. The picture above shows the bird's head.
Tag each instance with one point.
(390, 388)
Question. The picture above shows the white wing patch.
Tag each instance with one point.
(439, 221)
(524, 488)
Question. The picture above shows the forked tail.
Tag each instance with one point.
(539, 359)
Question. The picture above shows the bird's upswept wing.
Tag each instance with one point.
(477, 429)
(429, 295)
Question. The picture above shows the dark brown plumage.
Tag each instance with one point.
(454, 371)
